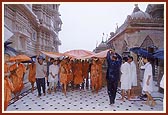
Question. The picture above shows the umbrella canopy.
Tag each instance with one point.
(141, 52)
(20, 58)
(52, 54)
(101, 54)
(79, 54)
(159, 54)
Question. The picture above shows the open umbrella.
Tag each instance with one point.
(101, 54)
(79, 54)
(141, 52)
(20, 58)
(52, 54)
(159, 53)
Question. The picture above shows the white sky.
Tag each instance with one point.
(84, 23)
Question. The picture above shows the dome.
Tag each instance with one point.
(138, 14)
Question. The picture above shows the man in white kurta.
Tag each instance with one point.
(125, 78)
(147, 85)
(53, 75)
(133, 75)
(147, 73)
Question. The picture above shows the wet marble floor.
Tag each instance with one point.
(81, 100)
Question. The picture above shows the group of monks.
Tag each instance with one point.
(71, 71)
(76, 71)
(13, 79)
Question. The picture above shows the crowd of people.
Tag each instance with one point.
(75, 72)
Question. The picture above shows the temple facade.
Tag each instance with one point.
(32, 27)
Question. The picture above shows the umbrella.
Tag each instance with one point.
(101, 54)
(79, 54)
(141, 52)
(159, 54)
(52, 54)
(20, 58)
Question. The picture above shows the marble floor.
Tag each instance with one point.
(81, 100)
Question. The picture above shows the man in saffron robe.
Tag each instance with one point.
(17, 72)
(8, 86)
(78, 79)
(99, 64)
(32, 74)
(63, 75)
(94, 76)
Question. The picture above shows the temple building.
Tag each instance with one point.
(32, 27)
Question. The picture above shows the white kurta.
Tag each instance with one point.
(54, 70)
(125, 76)
(133, 74)
(147, 73)
(162, 82)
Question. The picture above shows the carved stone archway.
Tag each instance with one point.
(148, 42)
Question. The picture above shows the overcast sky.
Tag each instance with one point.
(84, 23)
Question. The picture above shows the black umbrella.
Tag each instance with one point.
(159, 53)
(141, 52)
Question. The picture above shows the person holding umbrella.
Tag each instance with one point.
(40, 75)
(114, 62)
